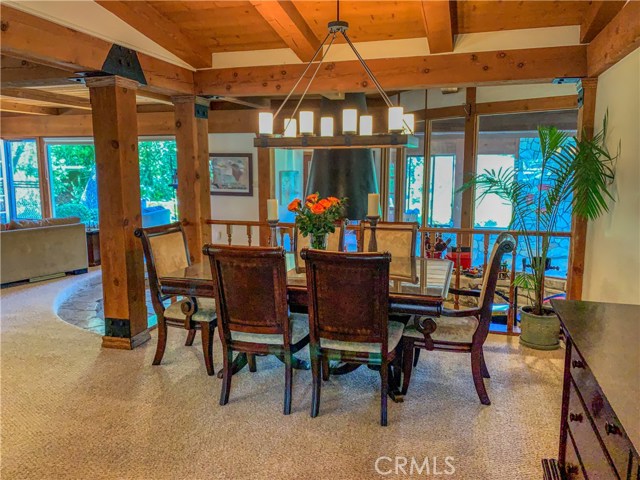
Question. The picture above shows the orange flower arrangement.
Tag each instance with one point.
(317, 216)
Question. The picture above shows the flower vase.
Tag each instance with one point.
(318, 242)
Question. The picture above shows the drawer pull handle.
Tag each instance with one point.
(577, 364)
(612, 429)
(575, 417)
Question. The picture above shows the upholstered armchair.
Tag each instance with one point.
(165, 250)
(397, 238)
(460, 330)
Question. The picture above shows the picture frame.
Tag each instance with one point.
(231, 174)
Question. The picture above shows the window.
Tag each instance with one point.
(414, 186)
(446, 148)
(157, 188)
(4, 201)
(73, 181)
(22, 179)
(74, 186)
(511, 141)
(441, 190)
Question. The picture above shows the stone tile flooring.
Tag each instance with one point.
(84, 308)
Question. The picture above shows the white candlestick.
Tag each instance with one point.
(306, 122)
(373, 204)
(290, 127)
(408, 123)
(366, 125)
(395, 119)
(272, 209)
(326, 126)
(349, 121)
(265, 123)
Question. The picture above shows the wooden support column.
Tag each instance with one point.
(192, 144)
(264, 191)
(586, 118)
(470, 147)
(43, 175)
(115, 135)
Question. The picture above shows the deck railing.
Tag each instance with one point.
(461, 237)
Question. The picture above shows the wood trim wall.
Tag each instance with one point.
(470, 147)
(586, 120)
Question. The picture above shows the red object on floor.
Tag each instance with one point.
(465, 259)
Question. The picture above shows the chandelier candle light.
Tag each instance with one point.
(400, 128)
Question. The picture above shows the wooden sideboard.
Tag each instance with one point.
(600, 424)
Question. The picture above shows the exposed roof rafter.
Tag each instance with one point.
(438, 25)
(288, 23)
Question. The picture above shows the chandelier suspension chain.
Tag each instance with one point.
(369, 72)
(295, 110)
(303, 74)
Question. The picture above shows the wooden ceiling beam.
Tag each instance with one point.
(598, 15)
(290, 25)
(15, 107)
(16, 72)
(38, 40)
(151, 23)
(526, 65)
(436, 15)
(158, 97)
(45, 96)
(619, 38)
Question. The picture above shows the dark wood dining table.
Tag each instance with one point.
(417, 286)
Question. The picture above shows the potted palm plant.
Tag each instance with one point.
(575, 172)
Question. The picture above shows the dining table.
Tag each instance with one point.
(417, 287)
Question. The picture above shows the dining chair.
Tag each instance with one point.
(335, 241)
(165, 250)
(460, 330)
(397, 238)
(348, 316)
(253, 314)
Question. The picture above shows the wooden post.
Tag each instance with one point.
(470, 147)
(264, 192)
(43, 176)
(192, 144)
(586, 117)
(115, 132)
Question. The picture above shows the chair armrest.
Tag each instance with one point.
(467, 312)
(467, 293)
(426, 326)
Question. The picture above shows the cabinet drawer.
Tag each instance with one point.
(572, 468)
(594, 460)
(607, 424)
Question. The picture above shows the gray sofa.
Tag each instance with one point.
(29, 250)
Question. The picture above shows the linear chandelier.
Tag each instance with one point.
(357, 130)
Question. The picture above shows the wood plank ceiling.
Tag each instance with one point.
(193, 30)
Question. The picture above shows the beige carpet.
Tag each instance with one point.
(73, 410)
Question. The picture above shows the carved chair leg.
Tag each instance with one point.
(162, 341)
(316, 359)
(190, 336)
(227, 373)
(251, 360)
(325, 369)
(416, 356)
(288, 374)
(483, 366)
(207, 345)
(408, 363)
(384, 391)
(478, 381)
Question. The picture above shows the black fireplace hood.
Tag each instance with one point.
(344, 172)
